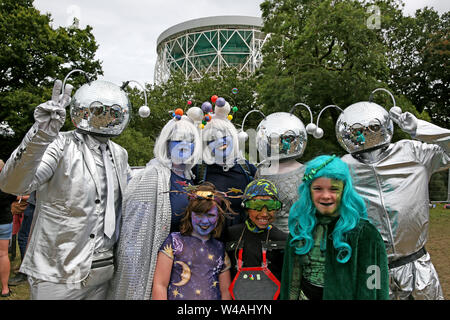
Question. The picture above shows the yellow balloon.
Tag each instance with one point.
(230, 117)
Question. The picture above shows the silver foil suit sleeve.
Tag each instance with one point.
(430, 133)
(32, 163)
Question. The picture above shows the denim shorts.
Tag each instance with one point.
(6, 231)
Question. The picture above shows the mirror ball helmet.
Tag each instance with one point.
(281, 135)
(364, 126)
(100, 108)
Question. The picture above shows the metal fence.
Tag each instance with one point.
(439, 187)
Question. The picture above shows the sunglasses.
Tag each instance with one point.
(259, 204)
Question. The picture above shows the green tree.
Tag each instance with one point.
(32, 56)
(138, 146)
(326, 52)
(419, 61)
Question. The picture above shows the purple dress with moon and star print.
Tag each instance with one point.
(196, 267)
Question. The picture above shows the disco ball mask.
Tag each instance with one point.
(100, 108)
(364, 126)
(281, 135)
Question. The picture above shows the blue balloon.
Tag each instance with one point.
(206, 107)
(220, 102)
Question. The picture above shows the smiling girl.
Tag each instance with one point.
(192, 264)
(333, 251)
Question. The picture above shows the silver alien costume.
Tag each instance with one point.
(281, 138)
(393, 178)
(147, 213)
(68, 254)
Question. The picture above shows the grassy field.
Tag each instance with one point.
(438, 246)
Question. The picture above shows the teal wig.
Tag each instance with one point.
(302, 216)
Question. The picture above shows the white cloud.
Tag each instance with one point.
(440, 5)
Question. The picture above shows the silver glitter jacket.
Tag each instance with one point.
(145, 225)
(63, 171)
(396, 187)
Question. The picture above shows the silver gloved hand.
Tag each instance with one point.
(405, 120)
(50, 115)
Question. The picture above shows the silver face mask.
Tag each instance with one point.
(364, 126)
(100, 108)
(281, 135)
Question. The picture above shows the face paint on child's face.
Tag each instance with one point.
(326, 194)
(205, 223)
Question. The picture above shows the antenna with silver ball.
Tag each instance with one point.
(394, 108)
(144, 111)
(311, 127)
(318, 132)
(88, 80)
(242, 135)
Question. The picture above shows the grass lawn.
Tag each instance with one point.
(438, 246)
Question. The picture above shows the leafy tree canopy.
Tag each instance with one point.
(32, 56)
(419, 61)
(329, 52)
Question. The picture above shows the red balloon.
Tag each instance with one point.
(214, 98)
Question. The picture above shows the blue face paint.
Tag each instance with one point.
(221, 147)
(180, 151)
(205, 223)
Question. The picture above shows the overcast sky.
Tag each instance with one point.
(126, 31)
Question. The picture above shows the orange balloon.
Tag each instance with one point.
(214, 98)
(179, 111)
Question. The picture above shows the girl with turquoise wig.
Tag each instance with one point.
(333, 251)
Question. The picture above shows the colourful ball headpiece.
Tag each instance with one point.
(221, 109)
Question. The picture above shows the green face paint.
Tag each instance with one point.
(338, 186)
(326, 195)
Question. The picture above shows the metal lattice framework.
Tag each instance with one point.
(208, 45)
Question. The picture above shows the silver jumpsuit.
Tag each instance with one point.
(395, 185)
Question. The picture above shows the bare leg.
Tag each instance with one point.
(5, 266)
